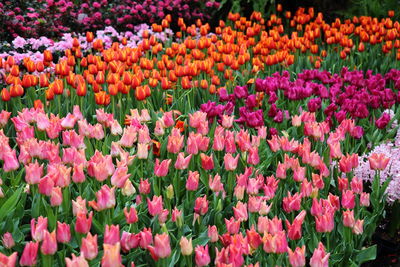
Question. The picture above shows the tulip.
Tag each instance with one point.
(161, 170)
(120, 176)
(240, 212)
(348, 199)
(202, 257)
(320, 258)
(207, 162)
(105, 199)
(364, 199)
(294, 229)
(8, 261)
(56, 197)
(181, 162)
(297, 257)
(144, 186)
(111, 234)
(76, 261)
(276, 243)
(212, 233)
(63, 232)
(253, 238)
(111, 256)
(131, 216)
(325, 223)
(89, 247)
(201, 205)
(83, 224)
(79, 206)
(155, 206)
(193, 181)
(378, 161)
(29, 255)
(49, 244)
(383, 121)
(8, 240)
(38, 230)
(358, 227)
(230, 162)
(162, 247)
(186, 246)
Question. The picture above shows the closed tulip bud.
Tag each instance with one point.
(170, 192)
(8, 240)
(364, 199)
(29, 255)
(358, 227)
(63, 232)
(56, 197)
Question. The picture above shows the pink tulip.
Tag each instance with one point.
(49, 244)
(105, 199)
(155, 206)
(230, 162)
(29, 255)
(378, 161)
(297, 257)
(37, 230)
(83, 224)
(161, 170)
(192, 183)
(8, 261)
(8, 240)
(63, 232)
(320, 258)
(202, 257)
(76, 261)
(182, 163)
(89, 247)
(111, 234)
(201, 205)
(162, 247)
(348, 199)
(131, 216)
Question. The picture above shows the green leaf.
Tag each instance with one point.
(367, 254)
(10, 204)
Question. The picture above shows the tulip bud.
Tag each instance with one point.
(170, 192)
(8, 241)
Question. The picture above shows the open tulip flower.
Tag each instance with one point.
(234, 146)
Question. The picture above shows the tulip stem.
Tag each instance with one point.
(47, 260)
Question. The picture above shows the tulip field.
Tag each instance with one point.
(265, 140)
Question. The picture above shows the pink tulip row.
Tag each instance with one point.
(253, 200)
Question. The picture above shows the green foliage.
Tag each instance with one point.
(248, 6)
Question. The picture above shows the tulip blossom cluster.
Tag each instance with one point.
(202, 61)
(53, 18)
(31, 47)
(159, 186)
